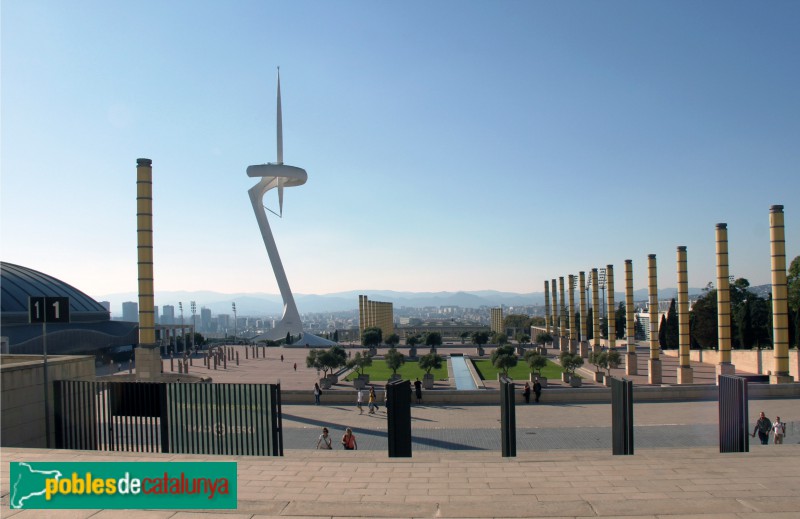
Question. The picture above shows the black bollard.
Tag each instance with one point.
(237, 358)
(508, 418)
(733, 409)
(398, 414)
(622, 416)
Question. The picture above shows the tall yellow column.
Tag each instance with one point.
(547, 306)
(654, 362)
(780, 320)
(631, 362)
(148, 354)
(573, 323)
(562, 316)
(584, 344)
(611, 319)
(724, 367)
(595, 312)
(685, 375)
(362, 315)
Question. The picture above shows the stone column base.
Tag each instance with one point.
(654, 371)
(685, 375)
(584, 349)
(148, 362)
(631, 364)
(573, 346)
(781, 378)
(725, 368)
(556, 342)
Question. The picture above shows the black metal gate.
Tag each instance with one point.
(733, 421)
(232, 419)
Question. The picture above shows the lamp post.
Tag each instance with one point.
(183, 334)
(601, 284)
(194, 322)
(233, 305)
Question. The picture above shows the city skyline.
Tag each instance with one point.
(500, 146)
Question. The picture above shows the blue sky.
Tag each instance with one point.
(449, 145)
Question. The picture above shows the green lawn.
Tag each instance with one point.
(409, 371)
(519, 372)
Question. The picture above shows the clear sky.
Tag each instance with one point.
(449, 145)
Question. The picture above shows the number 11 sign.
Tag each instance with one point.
(48, 309)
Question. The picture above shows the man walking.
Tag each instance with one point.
(763, 427)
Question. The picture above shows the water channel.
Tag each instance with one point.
(461, 373)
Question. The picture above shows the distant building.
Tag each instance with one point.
(375, 314)
(496, 315)
(130, 312)
(106, 305)
(168, 314)
(205, 319)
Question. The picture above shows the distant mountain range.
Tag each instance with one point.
(261, 304)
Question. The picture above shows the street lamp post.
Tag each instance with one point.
(183, 334)
(194, 322)
(233, 305)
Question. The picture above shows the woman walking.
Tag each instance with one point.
(349, 440)
(324, 441)
(317, 393)
(372, 404)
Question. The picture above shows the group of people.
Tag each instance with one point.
(372, 400)
(764, 427)
(537, 391)
(348, 440)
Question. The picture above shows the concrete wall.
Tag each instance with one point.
(22, 396)
(748, 361)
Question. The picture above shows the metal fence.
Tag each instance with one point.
(230, 419)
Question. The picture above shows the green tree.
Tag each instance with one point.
(613, 360)
(620, 321)
(433, 339)
(793, 294)
(570, 362)
(538, 321)
(430, 362)
(371, 337)
(412, 341)
(500, 338)
(336, 336)
(503, 358)
(662, 332)
(518, 321)
(393, 340)
(599, 359)
(543, 338)
(536, 361)
(523, 338)
(464, 336)
(480, 338)
(672, 326)
(359, 362)
(590, 324)
(394, 359)
(703, 319)
(744, 325)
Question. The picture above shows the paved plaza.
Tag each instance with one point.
(563, 468)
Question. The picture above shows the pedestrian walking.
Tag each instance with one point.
(349, 440)
(281, 358)
(360, 401)
(324, 441)
(778, 431)
(418, 390)
(295, 366)
(317, 393)
(372, 404)
(526, 393)
(763, 428)
(537, 389)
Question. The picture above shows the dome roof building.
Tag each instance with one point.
(90, 330)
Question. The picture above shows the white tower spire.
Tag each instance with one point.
(279, 133)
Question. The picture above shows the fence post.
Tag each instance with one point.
(508, 418)
(398, 414)
(733, 409)
(622, 416)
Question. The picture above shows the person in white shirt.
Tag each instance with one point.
(324, 441)
(778, 431)
(360, 400)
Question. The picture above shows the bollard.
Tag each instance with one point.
(225, 362)
(246, 354)
(622, 416)
(237, 358)
(215, 363)
(398, 415)
(733, 409)
(186, 366)
(508, 418)
(171, 363)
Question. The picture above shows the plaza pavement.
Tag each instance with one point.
(564, 466)
(683, 482)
